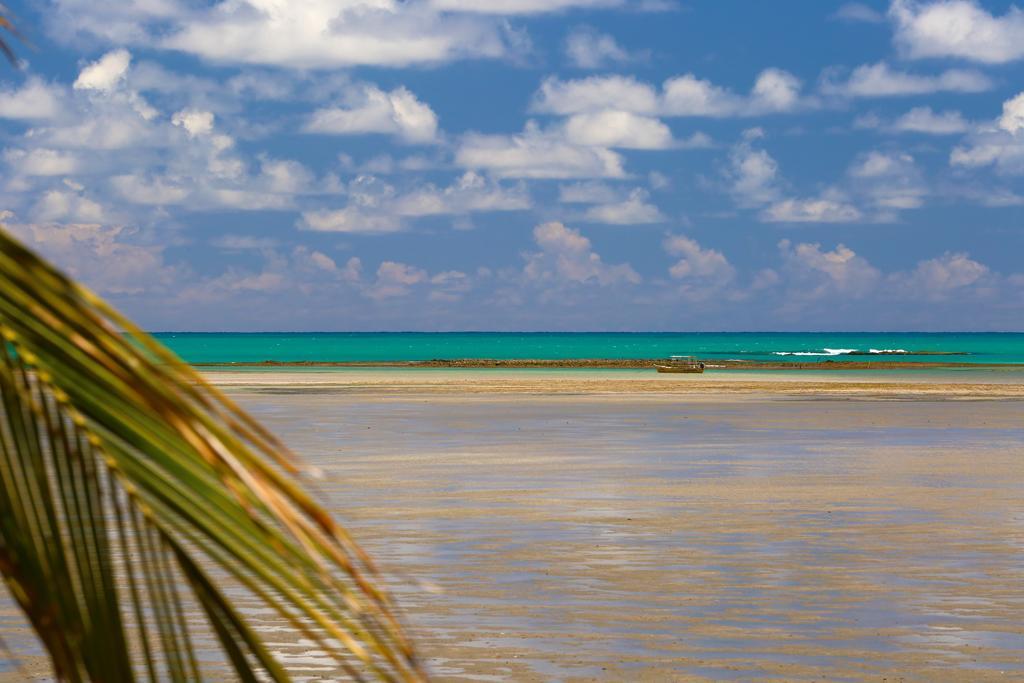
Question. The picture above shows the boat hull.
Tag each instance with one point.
(691, 370)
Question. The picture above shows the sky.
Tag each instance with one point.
(257, 165)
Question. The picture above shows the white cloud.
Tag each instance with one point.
(823, 209)
(881, 80)
(111, 127)
(886, 182)
(999, 143)
(815, 274)
(889, 180)
(636, 209)
(1012, 120)
(34, 100)
(375, 206)
(303, 272)
(396, 279)
(594, 94)
(958, 28)
(587, 48)
(934, 279)
(989, 195)
(774, 91)
(856, 11)
(705, 267)
(194, 121)
(151, 191)
(567, 257)
(536, 154)
(691, 96)
(621, 129)
(285, 176)
(41, 162)
(324, 34)
(371, 110)
(924, 120)
(351, 219)
(100, 256)
(470, 193)
(106, 73)
(513, 7)
(67, 205)
(753, 175)
(590, 192)
(660, 181)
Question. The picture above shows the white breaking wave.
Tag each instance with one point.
(825, 352)
(888, 351)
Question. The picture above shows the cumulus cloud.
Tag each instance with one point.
(957, 28)
(375, 206)
(594, 94)
(708, 269)
(774, 91)
(937, 278)
(815, 273)
(635, 209)
(537, 154)
(881, 80)
(567, 257)
(68, 204)
(876, 185)
(920, 120)
(857, 11)
(396, 279)
(34, 100)
(513, 7)
(587, 48)
(41, 162)
(925, 120)
(103, 257)
(194, 121)
(148, 190)
(888, 180)
(752, 173)
(621, 129)
(1012, 119)
(106, 73)
(371, 110)
(322, 34)
(998, 144)
(824, 209)
(590, 192)
(470, 193)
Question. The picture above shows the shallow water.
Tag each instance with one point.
(769, 539)
(582, 537)
(221, 347)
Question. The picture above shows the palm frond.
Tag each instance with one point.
(6, 25)
(142, 511)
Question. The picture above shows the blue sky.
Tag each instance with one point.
(525, 164)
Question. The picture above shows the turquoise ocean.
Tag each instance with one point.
(201, 348)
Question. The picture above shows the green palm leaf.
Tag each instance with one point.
(142, 513)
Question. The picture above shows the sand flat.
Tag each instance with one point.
(634, 383)
(626, 526)
(596, 528)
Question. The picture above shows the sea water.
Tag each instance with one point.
(754, 346)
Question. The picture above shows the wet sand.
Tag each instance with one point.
(587, 532)
(445, 384)
(628, 526)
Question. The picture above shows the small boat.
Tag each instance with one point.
(681, 364)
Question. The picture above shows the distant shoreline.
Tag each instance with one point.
(618, 363)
